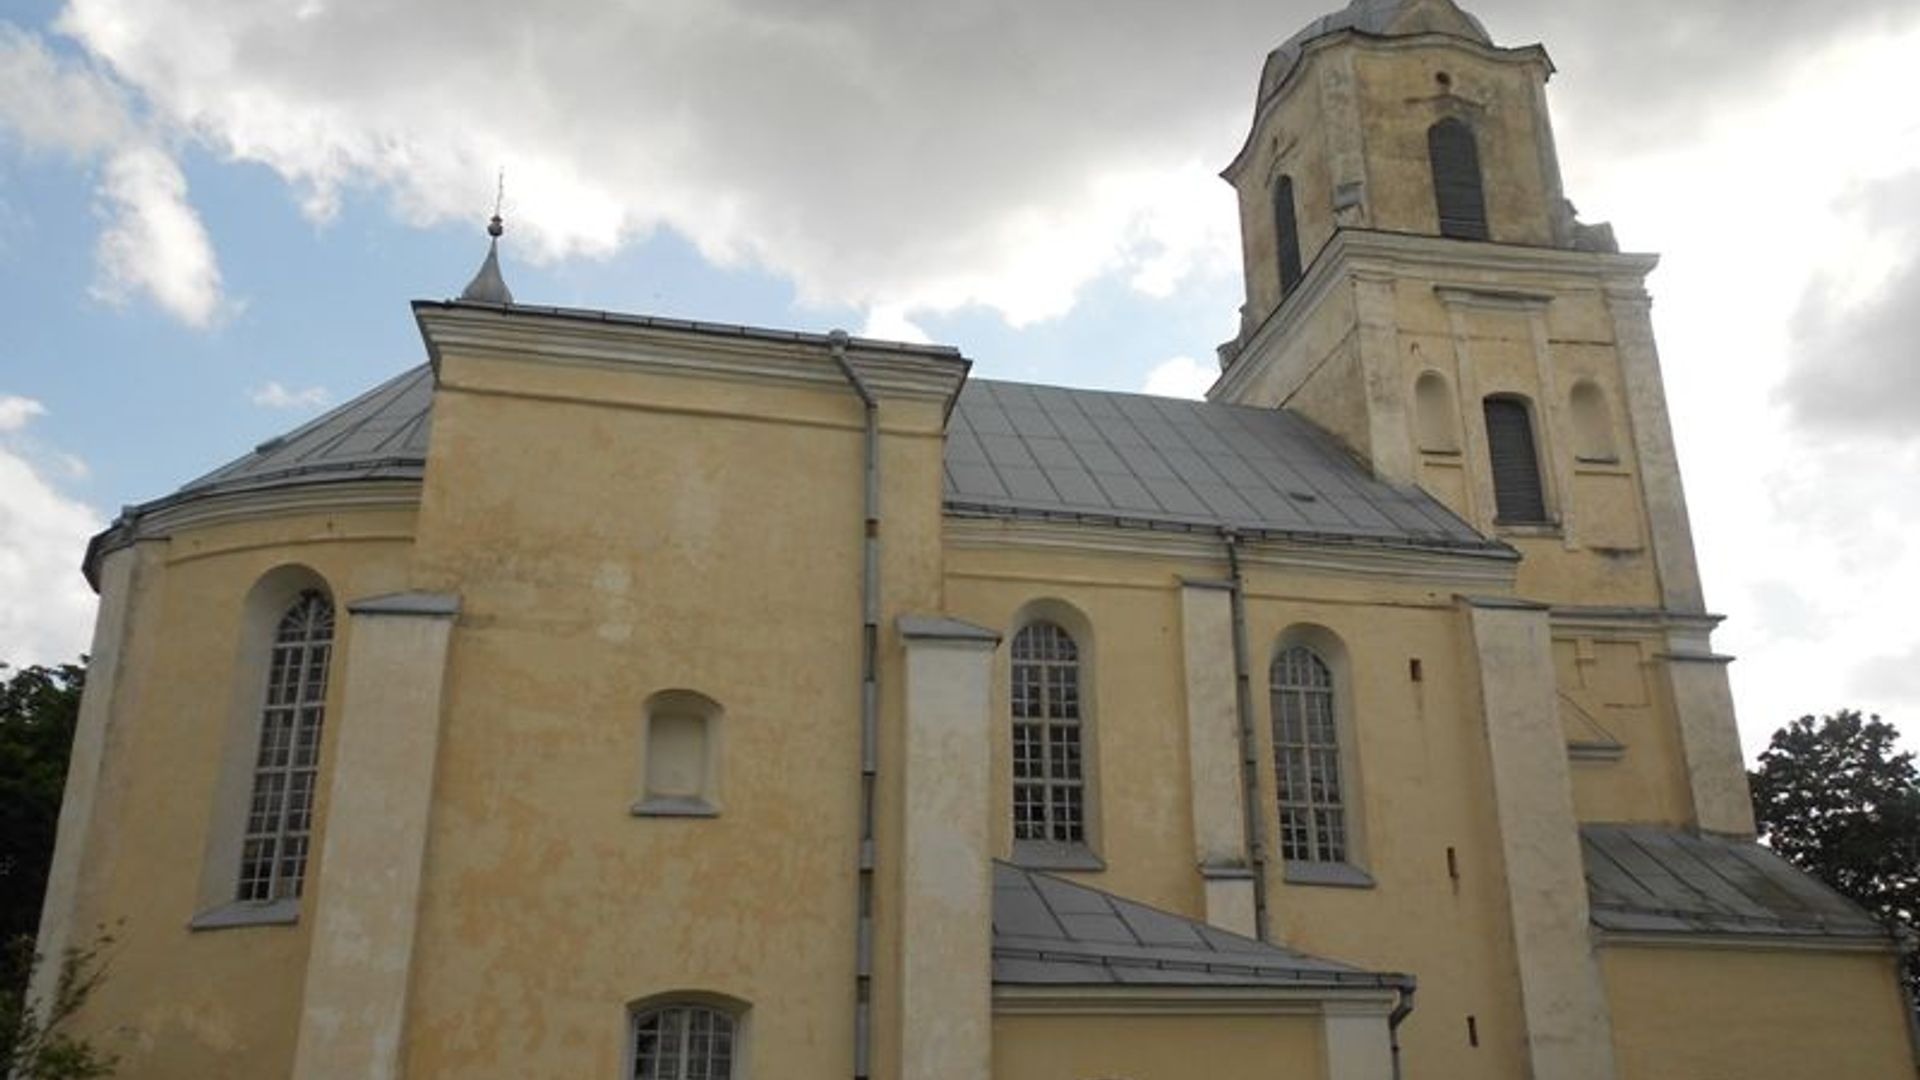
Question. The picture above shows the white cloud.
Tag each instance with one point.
(276, 396)
(48, 613)
(152, 242)
(887, 323)
(16, 411)
(1181, 377)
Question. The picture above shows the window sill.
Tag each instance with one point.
(247, 913)
(680, 806)
(1337, 874)
(1527, 528)
(1047, 855)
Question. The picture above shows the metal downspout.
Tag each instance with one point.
(1249, 746)
(869, 711)
(1401, 1010)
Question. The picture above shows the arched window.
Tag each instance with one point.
(683, 1042)
(279, 820)
(1592, 423)
(1434, 417)
(1456, 180)
(1306, 750)
(1517, 494)
(1049, 775)
(1286, 234)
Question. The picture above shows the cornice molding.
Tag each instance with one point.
(1426, 566)
(1354, 253)
(201, 510)
(1743, 942)
(1305, 1000)
(686, 349)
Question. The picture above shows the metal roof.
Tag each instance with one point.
(1012, 450)
(1643, 878)
(380, 434)
(1376, 17)
(1051, 452)
(1050, 932)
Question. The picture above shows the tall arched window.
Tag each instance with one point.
(279, 824)
(1306, 750)
(1456, 180)
(683, 1042)
(1286, 231)
(1049, 774)
(1517, 494)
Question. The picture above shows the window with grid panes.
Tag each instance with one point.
(273, 851)
(1049, 782)
(1306, 750)
(683, 1042)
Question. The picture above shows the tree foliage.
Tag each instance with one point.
(32, 1044)
(1834, 798)
(39, 707)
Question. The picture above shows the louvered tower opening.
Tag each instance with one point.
(1456, 180)
(1286, 234)
(1517, 495)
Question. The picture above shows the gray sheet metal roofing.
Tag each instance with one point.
(1051, 452)
(382, 433)
(1374, 17)
(1642, 878)
(1013, 450)
(1050, 932)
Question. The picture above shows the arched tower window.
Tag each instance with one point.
(1286, 230)
(683, 1042)
(1457, 188)
(1049, 774)
(279, 823)
(1592, 423)
(1517, 494)
(1306, 750)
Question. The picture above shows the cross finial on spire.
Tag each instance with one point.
(487, 286)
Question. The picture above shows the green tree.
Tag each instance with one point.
(1834, 798)
(39, 707)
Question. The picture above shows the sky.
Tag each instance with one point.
(214, 212)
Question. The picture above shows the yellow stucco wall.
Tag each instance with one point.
(180, 1002)
(1728, 1014)
(1157, 1047)
(1424, 782)
(613, 534)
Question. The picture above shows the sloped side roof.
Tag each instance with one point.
(1643, 878)
(1046, 451)
(381, 433)
(1050, 932)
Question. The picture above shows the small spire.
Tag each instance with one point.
(487, 286)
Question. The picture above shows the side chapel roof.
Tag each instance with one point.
(1652, 880)
(1051, 932)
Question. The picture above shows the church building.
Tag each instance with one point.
(614, 696)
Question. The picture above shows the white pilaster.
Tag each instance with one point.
(367, 902)
(1709, 736)
(946, 897)
(1646, 408)
(1568, 1033)
(121, 573)
(1358, 1040)
(1213, 755)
